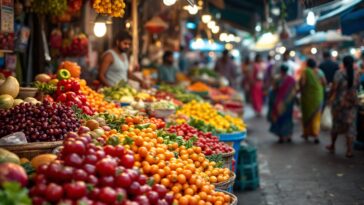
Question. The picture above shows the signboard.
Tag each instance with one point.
(6, 25)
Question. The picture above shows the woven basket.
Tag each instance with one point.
(228, 159)
(226, 185)
(31, 150)
(234, 200)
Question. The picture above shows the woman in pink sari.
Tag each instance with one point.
(257, 87)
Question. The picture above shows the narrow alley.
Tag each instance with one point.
(302, 173)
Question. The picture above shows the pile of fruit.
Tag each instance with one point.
(124, 93)
(40, 122)
(97, 102)
(209, 144)
(206, 113)
(174, 163)
(114, 8)
(199, 87)
(94, 174)
(68, 92)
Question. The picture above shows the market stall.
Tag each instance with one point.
(115, 145)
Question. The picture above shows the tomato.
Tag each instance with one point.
(80, 175)
(89, 168)
(107, 195)
(160, 189)
(134, 188)
(62, 98)
(75, 190)
(106, 166)
(123, 180)
(53, 192)
(127, 160)
(153, 197)
(73, 160)
(77, 147)
(142, 199)
(107, 181)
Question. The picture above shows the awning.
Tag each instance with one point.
(323, 37)
(330, 18)
(352, 22)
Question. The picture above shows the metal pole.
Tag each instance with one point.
(135, 33)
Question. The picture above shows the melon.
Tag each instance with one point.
(10, 86)
(6, 101)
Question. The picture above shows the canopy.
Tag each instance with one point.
(331, 12)
(266, 42)
(352, 22)
(323, 37)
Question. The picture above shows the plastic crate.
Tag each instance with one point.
(247, 177)
(247, 155)
(234, 140)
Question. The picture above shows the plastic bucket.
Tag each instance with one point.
(233, 139)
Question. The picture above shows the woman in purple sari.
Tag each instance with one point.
(281, 103)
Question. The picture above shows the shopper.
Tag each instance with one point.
(167, 71)
(226, 67)
(269, 74)
(257, 94)
(246, 82)
(344, 104)
(281, 103)
(312, 83)
(329, 68)
(292, 66)
(115, 64)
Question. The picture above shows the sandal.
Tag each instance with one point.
(349, 155)
(330, 148)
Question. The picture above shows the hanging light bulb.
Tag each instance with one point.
(100, 29)
(206, 18)
(215, 29)
(169, 2)
(223, 37)
(311, 19)
(211, 24)
(193, 10)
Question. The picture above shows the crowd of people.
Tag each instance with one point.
(284, 86)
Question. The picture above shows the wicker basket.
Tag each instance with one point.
(226, 185)
(228, 159)
(234, 200)
(31, 150)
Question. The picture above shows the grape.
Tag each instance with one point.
(38, 122)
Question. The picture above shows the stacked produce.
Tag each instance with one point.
(199, 87)
(68, 92)
(40, 122)
(97, 102)
(172, 162)
(87, 173)
(114, 8)
(124, 93)
(209, 144)
(209, 116)
(180, 93)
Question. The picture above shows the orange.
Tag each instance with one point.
(143, 152)
(181, 179)
(183, 200)
(165, 182)
(203, 195)
(138, 141)
(189, 191)
(157, 178)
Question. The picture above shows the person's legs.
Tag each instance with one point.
(331, 147)
(349, 146)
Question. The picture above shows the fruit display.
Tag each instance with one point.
(9, 86)
(172, 162)
(199, 87)
(91, 172)
(209, 144)
(162, 105)
(98, 102)
(68, 92)
(122, 92)
(40, 122)
(206, 113)
(114, 8)
(180, 93)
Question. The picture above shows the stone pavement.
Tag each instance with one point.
(302, 173)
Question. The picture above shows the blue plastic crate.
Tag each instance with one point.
(234, 140)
